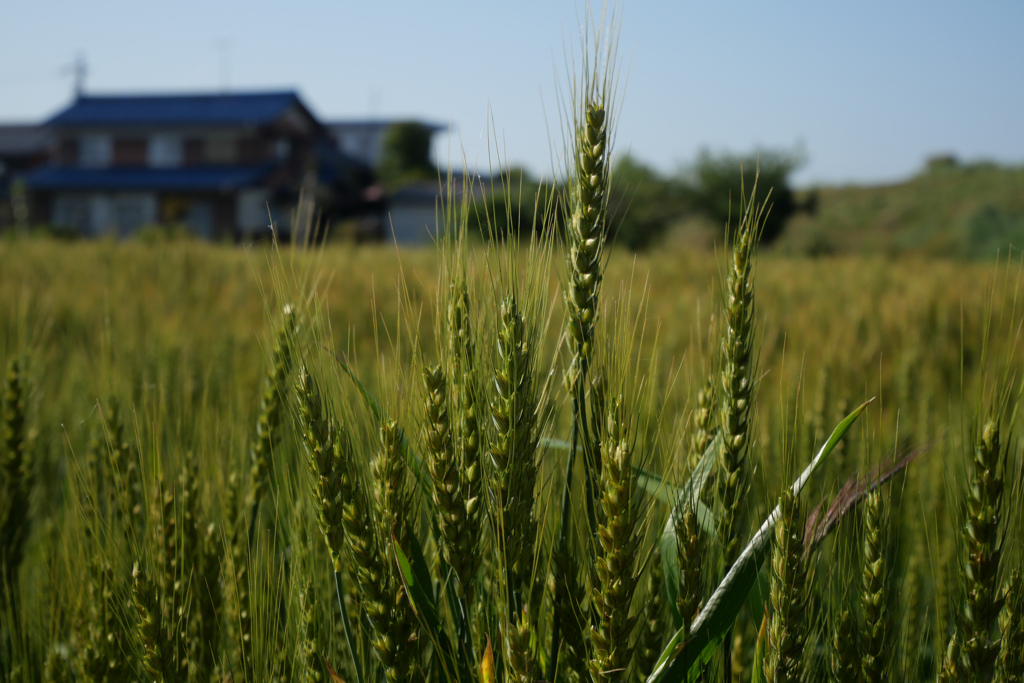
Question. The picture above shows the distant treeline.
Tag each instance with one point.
(644, 203)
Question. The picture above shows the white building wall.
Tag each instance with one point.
(411, 224)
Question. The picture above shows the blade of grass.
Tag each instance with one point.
(762, 637)
(357, 666)
(415, 577)
(683, 660)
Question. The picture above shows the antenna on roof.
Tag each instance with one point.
(78, 70)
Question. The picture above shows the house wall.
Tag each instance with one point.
(251, 211)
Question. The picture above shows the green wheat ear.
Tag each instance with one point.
(16, 467)
(844, 657)
(737, 377)
(787, 630)
(984, 548)
(514, 412)
(327, 480)
(615, 576)
(442, 463)
(570, 605)
(651, 638)
(467, 433)
(878, 632)
(588, 201)
(158, 654)
(690, 546)
(268, 424)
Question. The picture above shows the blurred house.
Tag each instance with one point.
(214, 162)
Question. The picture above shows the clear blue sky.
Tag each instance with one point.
(869, 89)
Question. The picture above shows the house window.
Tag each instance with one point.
(133, 210)
(67, 154)
(165, 151)
(282, 149)
(72, 211)
(130, 152)
(252, 150)
(220, 149)
(95, 150)
(194, 152)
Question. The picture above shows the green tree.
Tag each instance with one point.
(642, 203)
(405, 155)
(714, 184)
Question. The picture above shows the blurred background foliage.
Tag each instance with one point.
(949, 210)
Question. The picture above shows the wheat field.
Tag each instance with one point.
(504, 460)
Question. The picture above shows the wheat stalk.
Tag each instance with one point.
(983, 549)
(737, 377)
(786, 629)
(514, 412)
(268, 424)
(690, 548)
(17, 470)
(844, 657)
(450, 503)
(467, 436)
(876, 639)
(328, 486)
(651, 638)
(615, 572)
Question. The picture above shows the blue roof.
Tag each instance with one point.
(214, 109)
(199, 178)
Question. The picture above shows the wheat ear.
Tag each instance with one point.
(877, 630)
(16, 467)
(786, 628)
(737, 378)
(983, 550)
(268, 424)
(615, 573)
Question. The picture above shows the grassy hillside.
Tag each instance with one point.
(949, 210)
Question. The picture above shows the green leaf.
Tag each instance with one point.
(670, 568)
(684, 660)
(762, 638)
(757, 601)
(416, 580)
(415, 575)
(672, 496)
(557, 444)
